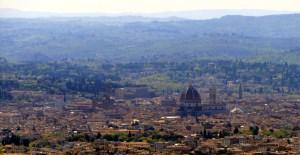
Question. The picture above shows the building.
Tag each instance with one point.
(213, 95)
(134, 92)
(191, 103)
(240, 91)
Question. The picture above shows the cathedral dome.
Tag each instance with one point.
(191, 94)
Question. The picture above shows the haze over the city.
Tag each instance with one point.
(188, 9)
(149, 77)
(146, 6)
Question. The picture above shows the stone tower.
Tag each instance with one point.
(240, 91)
(213, 94)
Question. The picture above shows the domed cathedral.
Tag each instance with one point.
(191, 103)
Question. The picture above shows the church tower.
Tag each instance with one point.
(212, 90)
(240, 91)
(213, 94)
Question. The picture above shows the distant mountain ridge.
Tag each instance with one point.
(111, 39)
(278, 26)
(210, 14)
(194, 14)
(105, 18)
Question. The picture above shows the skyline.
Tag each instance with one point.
(147, 6)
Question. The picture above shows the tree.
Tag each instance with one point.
(254, 130)
(98, 135)
(236, 130)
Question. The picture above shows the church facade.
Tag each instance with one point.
(191, 103)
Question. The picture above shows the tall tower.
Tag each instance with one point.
(212, 91)
(240, 91)
(65, 96)
(213, 94)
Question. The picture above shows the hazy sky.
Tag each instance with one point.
(117, 6)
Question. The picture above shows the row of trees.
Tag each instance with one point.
(149, 136)
(275, 76)
(62, 77)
